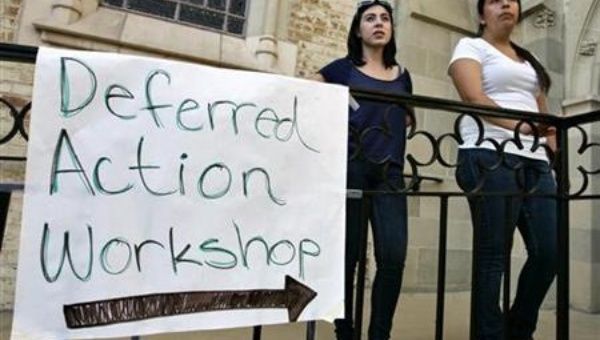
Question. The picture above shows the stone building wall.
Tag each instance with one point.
(9, 11)
(15, 88)
(582, 95)
(320, 30)
(310, 33)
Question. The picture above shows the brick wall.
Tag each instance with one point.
(9, 11)
(319, 28)
(16, 81)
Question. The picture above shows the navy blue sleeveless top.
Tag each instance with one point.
(377, 130)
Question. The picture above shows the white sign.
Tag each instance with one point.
(164, 196)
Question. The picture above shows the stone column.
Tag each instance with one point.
(266, 52)
(67, 11)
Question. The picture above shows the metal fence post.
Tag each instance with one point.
(256, 332)
(474, 266)
(562, 280)
(508, 243)
(311, 330)
(362, 265)
(441, 284)
(4, 202)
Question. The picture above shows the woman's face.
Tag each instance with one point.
(375, 28)
(500, 15)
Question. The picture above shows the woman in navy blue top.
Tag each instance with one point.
(375, 160)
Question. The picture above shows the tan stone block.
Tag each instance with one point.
(426, 86)
(419, 117)
(429, 207)
(9, 36)
(286, 58)
(235, 51)
(415, 59)
(585, 281)
(12, 172)
(436, 38)
(437, 66)
(26, 73)
(174, 38)
(5, 87)
(423, 232)
(22, 89)
(413, 206)
(458, 269)
(11, 74)
(454, 14)
(460, 234)
(585, 245)
(458, 208)
(410, 277)
(439, 122)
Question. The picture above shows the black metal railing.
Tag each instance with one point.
(566, 192)
(560, 160)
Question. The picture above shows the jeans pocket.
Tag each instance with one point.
(467, 172)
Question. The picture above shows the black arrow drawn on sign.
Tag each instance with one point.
(294, 297)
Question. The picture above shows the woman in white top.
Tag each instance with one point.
(492, 70)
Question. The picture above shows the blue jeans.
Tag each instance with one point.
(535, 218)
(389, 224)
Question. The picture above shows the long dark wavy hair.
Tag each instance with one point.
(355, 50)
(543, 76)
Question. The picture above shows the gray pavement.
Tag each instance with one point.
(415, 320)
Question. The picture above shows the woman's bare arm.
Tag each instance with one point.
(549, 132)
(466, 75)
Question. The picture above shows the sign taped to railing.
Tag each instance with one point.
(163, 196)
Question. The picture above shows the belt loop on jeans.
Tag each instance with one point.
(354, 193)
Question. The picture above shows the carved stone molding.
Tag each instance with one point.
(545, 18)
(541, 15)
(588, 48)
(66, 11)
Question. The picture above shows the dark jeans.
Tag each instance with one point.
(388, 221)
(535, 218)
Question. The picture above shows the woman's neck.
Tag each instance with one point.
(497, 39)
(374, 65)
(373, 56)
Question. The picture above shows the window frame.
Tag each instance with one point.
(176, 20)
